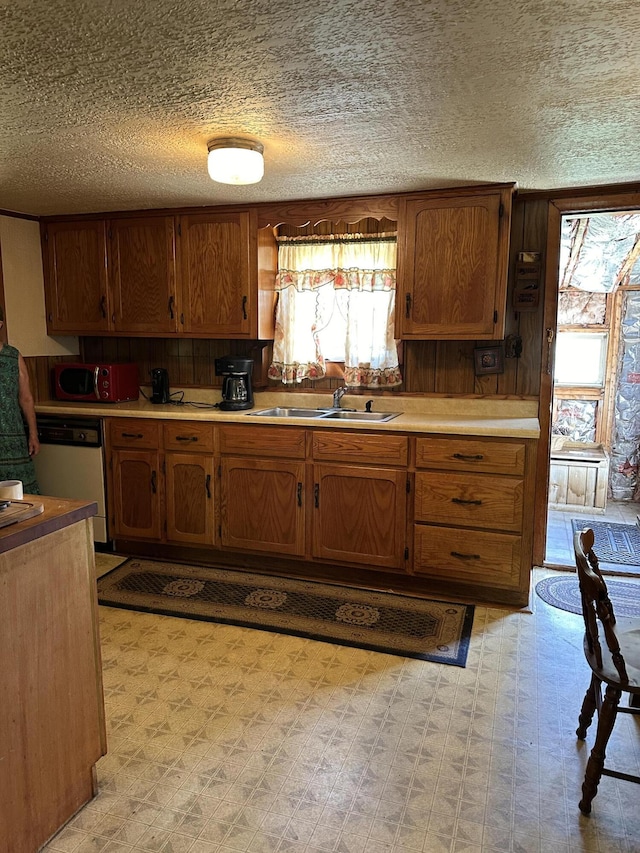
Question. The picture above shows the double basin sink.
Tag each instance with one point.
(325, 414)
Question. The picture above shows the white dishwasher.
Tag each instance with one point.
(71, 463)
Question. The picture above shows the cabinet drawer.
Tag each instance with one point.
(188, 435)
(129, 432)
(262, 441)
(490, 559)
(471, 454)
(472, 500)
(339, 446)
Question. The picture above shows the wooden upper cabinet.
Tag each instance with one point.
(452, 265)
(142, 275)
(76, 277)
(219, 274)
(202, 275)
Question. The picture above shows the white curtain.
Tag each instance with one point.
(336, 300)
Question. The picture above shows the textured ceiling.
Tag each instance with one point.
(109, 104)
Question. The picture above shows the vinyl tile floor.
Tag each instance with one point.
(225, 739)
(559, 550)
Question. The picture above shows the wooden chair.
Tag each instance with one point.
(616, 663)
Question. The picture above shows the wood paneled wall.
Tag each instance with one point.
(429, 367)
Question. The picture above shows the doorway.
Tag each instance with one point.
(595, 406)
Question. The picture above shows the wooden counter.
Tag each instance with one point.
(52, 728)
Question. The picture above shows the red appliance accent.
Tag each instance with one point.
(104, 383)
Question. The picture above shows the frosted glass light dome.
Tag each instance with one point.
(235, 161)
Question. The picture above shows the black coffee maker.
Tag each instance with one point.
(236, 383)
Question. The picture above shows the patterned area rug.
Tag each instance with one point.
(379, 621)
(614, 543)
(564, 593)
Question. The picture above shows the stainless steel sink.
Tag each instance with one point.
(284, 412)
(323, 414)
(380, 417)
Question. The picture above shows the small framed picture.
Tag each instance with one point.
(488, 360)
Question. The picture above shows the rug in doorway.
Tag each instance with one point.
(378, 621)
(614, 543)
(564, 593)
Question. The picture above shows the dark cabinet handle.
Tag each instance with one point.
(207, 485)
(244, 307)
(462, 501)
(132, 435)
(154, 484)
(186, 438)
(466, 456)
(103, 306)
(299, 494)
(316, 494)
(407, 301)
(172, 299)
(465, 556)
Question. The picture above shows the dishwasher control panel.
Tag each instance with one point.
(77, 431)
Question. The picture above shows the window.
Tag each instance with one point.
(336, 302)
(581, 359)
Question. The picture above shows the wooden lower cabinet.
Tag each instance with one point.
(162, 481)
(136, 495)
(470, 511)
(189, 498)
(471, 556)
(359, 515)
(262, 505)
(468, 499)
(52, 725)
(449, 511)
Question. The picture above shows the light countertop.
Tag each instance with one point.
(419, 414)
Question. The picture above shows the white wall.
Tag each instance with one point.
(24, 290)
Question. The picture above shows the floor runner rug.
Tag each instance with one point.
(379, 621)
(564, 593)
(614, 543)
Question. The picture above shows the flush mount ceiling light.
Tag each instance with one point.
(235, 161)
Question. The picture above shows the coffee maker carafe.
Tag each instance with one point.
(236, 382)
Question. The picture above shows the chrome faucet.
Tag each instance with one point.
(338, 394)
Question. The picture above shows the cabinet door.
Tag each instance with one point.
(217, 269)
(136, 494)
(452, 268)
(359, 515)
(76, 277)
(189, 498)
(142, 257)
(262, 505)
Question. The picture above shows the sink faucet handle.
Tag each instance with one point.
(367, 405)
